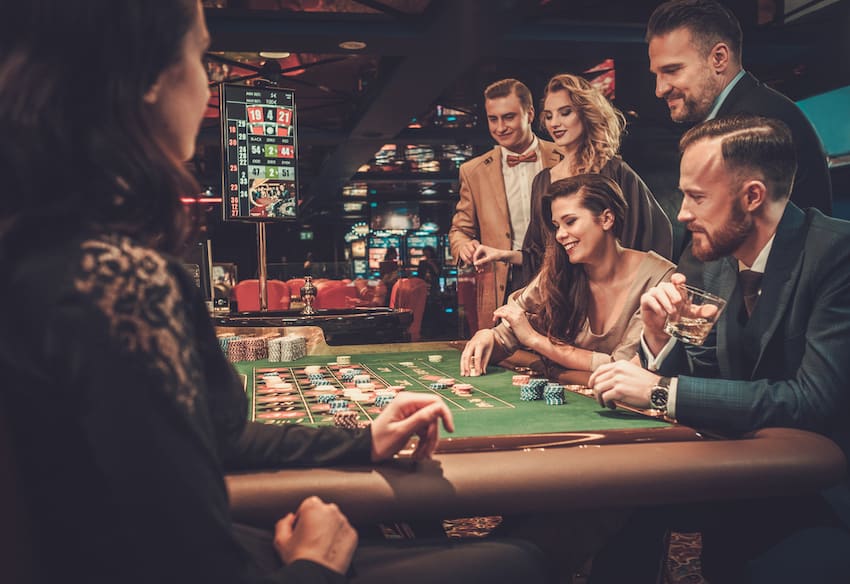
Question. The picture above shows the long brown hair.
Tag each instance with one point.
(603, 123)
(564, 289)
(78, 152)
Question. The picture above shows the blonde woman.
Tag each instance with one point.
(587, 131)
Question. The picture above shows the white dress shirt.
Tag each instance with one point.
(518, 181)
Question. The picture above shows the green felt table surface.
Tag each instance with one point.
(494, 407)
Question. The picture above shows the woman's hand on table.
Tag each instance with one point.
(408, 415)
(476, 355)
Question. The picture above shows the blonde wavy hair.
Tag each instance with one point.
(604, 125)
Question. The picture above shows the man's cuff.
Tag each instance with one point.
(671, 397)
(654, 362)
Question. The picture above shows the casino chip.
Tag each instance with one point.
(435, 358)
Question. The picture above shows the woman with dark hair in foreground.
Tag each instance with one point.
(126, 413)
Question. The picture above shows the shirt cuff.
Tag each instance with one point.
(671, 397)
(653, 362)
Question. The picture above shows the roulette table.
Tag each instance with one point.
(515, 456)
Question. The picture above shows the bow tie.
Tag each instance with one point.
(513, 159)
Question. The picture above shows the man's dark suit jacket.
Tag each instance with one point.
(790, 364)
(812, 185)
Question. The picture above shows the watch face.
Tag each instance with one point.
(658, 398)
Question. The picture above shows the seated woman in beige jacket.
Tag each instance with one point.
(581, 310)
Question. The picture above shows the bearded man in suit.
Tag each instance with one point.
(776, 357)
(695, 51)
(494, 210)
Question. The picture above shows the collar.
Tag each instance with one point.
(761, 260)
(724, 94)
(535, 144)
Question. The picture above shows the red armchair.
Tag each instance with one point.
(247, 295)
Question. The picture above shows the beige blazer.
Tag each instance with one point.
(482, 214)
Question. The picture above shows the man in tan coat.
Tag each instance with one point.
(494, 210)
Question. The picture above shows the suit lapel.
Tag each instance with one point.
(495, 184)
(780, 276)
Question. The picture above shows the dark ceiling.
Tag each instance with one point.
(420, 54)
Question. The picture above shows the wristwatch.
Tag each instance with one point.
(659, 393)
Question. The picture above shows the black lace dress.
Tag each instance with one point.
(126, 414)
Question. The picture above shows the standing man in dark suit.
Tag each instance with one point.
(777, 355)
(695, 54)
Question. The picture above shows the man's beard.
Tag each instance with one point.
(696, 107)
(726, 241)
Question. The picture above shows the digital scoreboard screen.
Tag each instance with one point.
(259, 153)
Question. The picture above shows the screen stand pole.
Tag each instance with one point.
(262, 275)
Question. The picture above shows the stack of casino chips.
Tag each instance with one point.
(553, 393)
(256, 348)
(532, 390)
(520, 379)
(338, 405)
(438, 385)
(346, 419)
(462, 389)
(326, 398)
(237, 349)
(287, 348)
(347, 373)
(274, 349)
(224, 341)
(383, 398)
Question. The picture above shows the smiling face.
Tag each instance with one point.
(712, 206)
(684, 77)
(562, 121)
(509, 124)
(581, 233)
(179, 97)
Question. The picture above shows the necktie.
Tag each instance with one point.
(750, 284)
(513, 159)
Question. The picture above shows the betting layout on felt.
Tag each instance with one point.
(351, 395)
